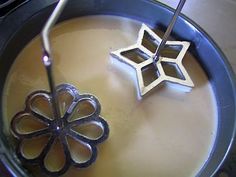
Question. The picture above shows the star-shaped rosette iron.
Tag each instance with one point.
(145, 58)
(80, 125)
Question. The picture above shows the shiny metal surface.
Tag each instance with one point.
(47, 54)
(181, 79)
(156, 57)
(59, 128)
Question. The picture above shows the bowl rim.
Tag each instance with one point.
(6, 3)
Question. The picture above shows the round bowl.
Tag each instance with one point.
(25, 22)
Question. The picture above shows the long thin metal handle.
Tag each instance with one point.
(168, 31)
(47, 54)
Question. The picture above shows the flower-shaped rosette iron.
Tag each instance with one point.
(60, 129)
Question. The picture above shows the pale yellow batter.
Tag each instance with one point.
(166, 134)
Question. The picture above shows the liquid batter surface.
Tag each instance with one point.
(166, 134)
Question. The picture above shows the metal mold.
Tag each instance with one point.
(62, 103)
(60, 129)
(148, 60)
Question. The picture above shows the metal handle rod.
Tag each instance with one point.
(168, 31)
(47, 55)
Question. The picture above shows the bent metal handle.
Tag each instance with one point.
(61, 127)
(47, 55)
